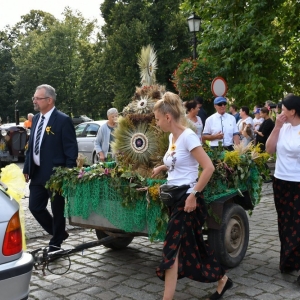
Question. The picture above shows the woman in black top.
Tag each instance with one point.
(265, 128)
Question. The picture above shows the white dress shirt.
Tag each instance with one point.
(225, 123)
(36, 157)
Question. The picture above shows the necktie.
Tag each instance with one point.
(222, 128)
(38, 136)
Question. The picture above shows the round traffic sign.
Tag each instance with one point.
(219, 87)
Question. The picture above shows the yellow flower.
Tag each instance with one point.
(173, 147)
(48, 130)
(232, 158)
(154, 192)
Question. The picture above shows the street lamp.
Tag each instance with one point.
(194, 26)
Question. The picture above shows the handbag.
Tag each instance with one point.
(170, 194)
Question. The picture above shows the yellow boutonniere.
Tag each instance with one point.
(173, 147)
(48, 130)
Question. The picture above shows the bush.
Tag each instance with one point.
(193, 78)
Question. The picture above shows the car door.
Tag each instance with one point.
(86, 135)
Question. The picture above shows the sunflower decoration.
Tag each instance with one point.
(138, 142)
(147, 62)
(144, 100)
(135, 144)
(154, 91)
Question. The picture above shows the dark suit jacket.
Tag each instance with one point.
(57, 149)
(203, 115)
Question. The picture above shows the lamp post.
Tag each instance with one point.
(194, 23)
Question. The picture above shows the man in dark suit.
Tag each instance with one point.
(52, 143)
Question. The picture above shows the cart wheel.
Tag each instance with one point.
(117, 244)
(230, 242)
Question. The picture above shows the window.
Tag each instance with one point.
(92, 129)
(79, 130)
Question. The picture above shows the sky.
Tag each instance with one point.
(12, 10)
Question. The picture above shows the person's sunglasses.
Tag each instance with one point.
(222, 103)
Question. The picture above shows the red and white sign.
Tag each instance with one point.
(219, 87)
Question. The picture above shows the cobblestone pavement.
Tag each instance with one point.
(101, 273)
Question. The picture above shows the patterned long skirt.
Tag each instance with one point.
(287, 203)
(196, 259)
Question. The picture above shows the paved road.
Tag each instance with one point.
(101, 273)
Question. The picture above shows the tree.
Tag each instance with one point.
(54, 56)
(132, 24)
(6, 75)
(247, 40)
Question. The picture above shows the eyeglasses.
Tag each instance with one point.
(38, 99)
(222, 104)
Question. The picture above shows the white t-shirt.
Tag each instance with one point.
(199, 126)
(257, 123)
(182, 166)
(225, 123)
(240, 122)
(288, 153)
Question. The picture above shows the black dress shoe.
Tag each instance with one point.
(53, 248)
(228, 285)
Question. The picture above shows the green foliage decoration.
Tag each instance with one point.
(132, 191)
(102, 186)
(239, 170)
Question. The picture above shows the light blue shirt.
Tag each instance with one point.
(102, 140)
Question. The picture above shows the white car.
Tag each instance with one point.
(15, 265)
(86, 134)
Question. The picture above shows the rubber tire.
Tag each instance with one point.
(117, 244)
(95, 158)
(231, 250)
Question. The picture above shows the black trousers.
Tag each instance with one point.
(53, 224)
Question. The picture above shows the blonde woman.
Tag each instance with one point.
(185, 253)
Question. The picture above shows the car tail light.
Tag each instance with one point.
(12, 243)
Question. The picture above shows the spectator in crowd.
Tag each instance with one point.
(28, 122)
(256, 107)
(185, 252)
(233, 110)
(245, 119)
(201, 113)
(192, 108)
(271, 106)
(247, 135)
(258, 120)
(52, 143)
(221, 127)
(285, 142)
(105, 135)
(265, 128)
